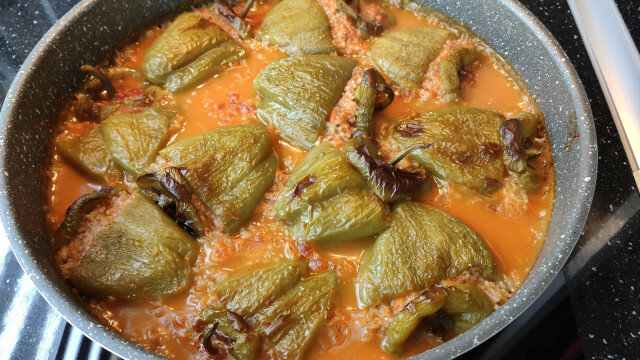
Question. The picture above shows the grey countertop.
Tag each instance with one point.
(602, 277)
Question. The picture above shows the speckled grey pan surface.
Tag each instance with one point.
(91, 30)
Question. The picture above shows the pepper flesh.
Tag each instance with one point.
(140, 253)
(230, 168)
(189, 51)
(245, 292)
(450, 68)
(404, 55)
(134, 139)
(326, 200)
(304, 307)
(298, 93)
(88, 153)
(408, 319)
(420, 248)
(467, 305)
(385, 180)
(465, 145)
(299, 27)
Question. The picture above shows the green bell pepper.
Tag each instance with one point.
(467, 305)
(421, 247)
(404, 55)
(464, 145)
(299, 27)
(140, 253)
(89, 154)
(450, 68)
(292, 321)
(134, 139)
(326, 200)
(230, 168)
(298, 93)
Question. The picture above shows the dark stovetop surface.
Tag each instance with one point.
(593, 308)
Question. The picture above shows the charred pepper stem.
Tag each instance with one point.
(386, 181)
(229, 16)
(404, 153)
(106, 83)
(171, 190)
(246, 9)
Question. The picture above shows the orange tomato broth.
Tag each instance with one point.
(165, 325)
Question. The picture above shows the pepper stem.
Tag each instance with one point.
(104, 80)
(206, 340)
(396, 159)
(246, 9)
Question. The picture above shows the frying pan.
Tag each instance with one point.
(92, 29)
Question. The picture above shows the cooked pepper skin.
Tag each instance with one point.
(451, 66)
(467, 305)
(245, 292)
(385, 180)
(327, 201)
(408, 319)
(465, 145)
(230, 169)
(171, 190)
(204, 67)
(141, 253)
(305, 308)
(298, 93)
(88, 153)
(134, 139)
(420, 248)
(514, 156)
(298, 27)
(245, 342)
(188, 37)
(366, 95)
(404, 55)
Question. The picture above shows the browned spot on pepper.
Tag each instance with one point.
(490, 151)
(201, 24)
(491, 184)
(410, 130)
(510, 132)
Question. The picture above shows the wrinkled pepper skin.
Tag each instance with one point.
(420, 248)
(305, 308)
(88, 153)
(327, 201)
(528, 122)
(465, 145)
(141, 253)
(450, 68)
(245, 292)
(245, 343)
(230, 168)
(211, 63)
(385, 180)
(298, 93)
(467, 305)
(74, 214)
(408, 319)
(183, 55)
(298, 27)
(134, 139)
(405, 55)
